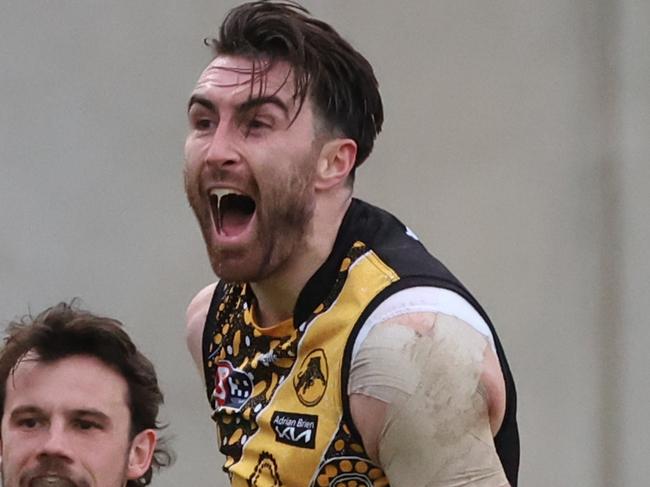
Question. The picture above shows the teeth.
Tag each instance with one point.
(216, 201)
(51, 481)
(221, 192)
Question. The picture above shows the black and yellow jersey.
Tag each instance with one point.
(279, 394)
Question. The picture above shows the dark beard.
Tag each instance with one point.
(278, 239)
(284, 214)
(283, 222)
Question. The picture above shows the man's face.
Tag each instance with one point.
(249, 170)
(66, 424)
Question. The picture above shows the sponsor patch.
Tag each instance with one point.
(233, 387)
(295, 429)
(311, 380)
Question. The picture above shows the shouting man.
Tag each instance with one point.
(336, 350)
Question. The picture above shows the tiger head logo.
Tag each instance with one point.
(311, 380)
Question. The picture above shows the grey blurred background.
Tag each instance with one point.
(515, 145)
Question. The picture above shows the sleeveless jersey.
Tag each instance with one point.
(279, 394)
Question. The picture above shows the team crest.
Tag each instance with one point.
(265, 473)
(232, 386)
(311, 380)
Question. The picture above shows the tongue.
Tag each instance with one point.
(234, 222)
(235, 212)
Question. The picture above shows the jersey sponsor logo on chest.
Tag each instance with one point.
(233, 387)
(295, 429)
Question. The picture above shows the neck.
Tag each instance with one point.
(277, 294)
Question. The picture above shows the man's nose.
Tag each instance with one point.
(223, 151)
(57, 442)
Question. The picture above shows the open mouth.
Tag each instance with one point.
(52, 481)
(231, 211)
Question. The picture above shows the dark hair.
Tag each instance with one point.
(65, 330)
(338, 80)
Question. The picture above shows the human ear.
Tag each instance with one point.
(336, 161)
(141, 453)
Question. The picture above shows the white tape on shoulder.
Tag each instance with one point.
(424, 299)
(437, 431)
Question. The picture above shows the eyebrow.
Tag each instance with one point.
(198, 99)
(26, 409)
(93, 413)
(264, 100)
(246, 106)
(90, 412)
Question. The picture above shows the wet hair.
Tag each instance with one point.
(326, 69)
(65, 330)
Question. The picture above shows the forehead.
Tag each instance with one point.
(87, 382)
(241, 77)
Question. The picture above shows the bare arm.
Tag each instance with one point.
(196, 314)
(427, 396)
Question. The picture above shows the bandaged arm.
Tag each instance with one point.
(422, 389)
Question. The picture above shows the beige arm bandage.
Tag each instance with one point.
(436, 431)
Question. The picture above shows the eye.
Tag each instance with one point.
(85, 424)
(201, 119)
(257, 126)
(257, 123)
(203, 124)
(28, 423)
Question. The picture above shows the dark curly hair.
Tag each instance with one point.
(65, 330)
(338, 80)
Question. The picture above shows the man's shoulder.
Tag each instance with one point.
(380, 229)
(196, 314)
(199, 305)
(399, 247)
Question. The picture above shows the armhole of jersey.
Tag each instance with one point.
(208, 332)
(424, 299)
